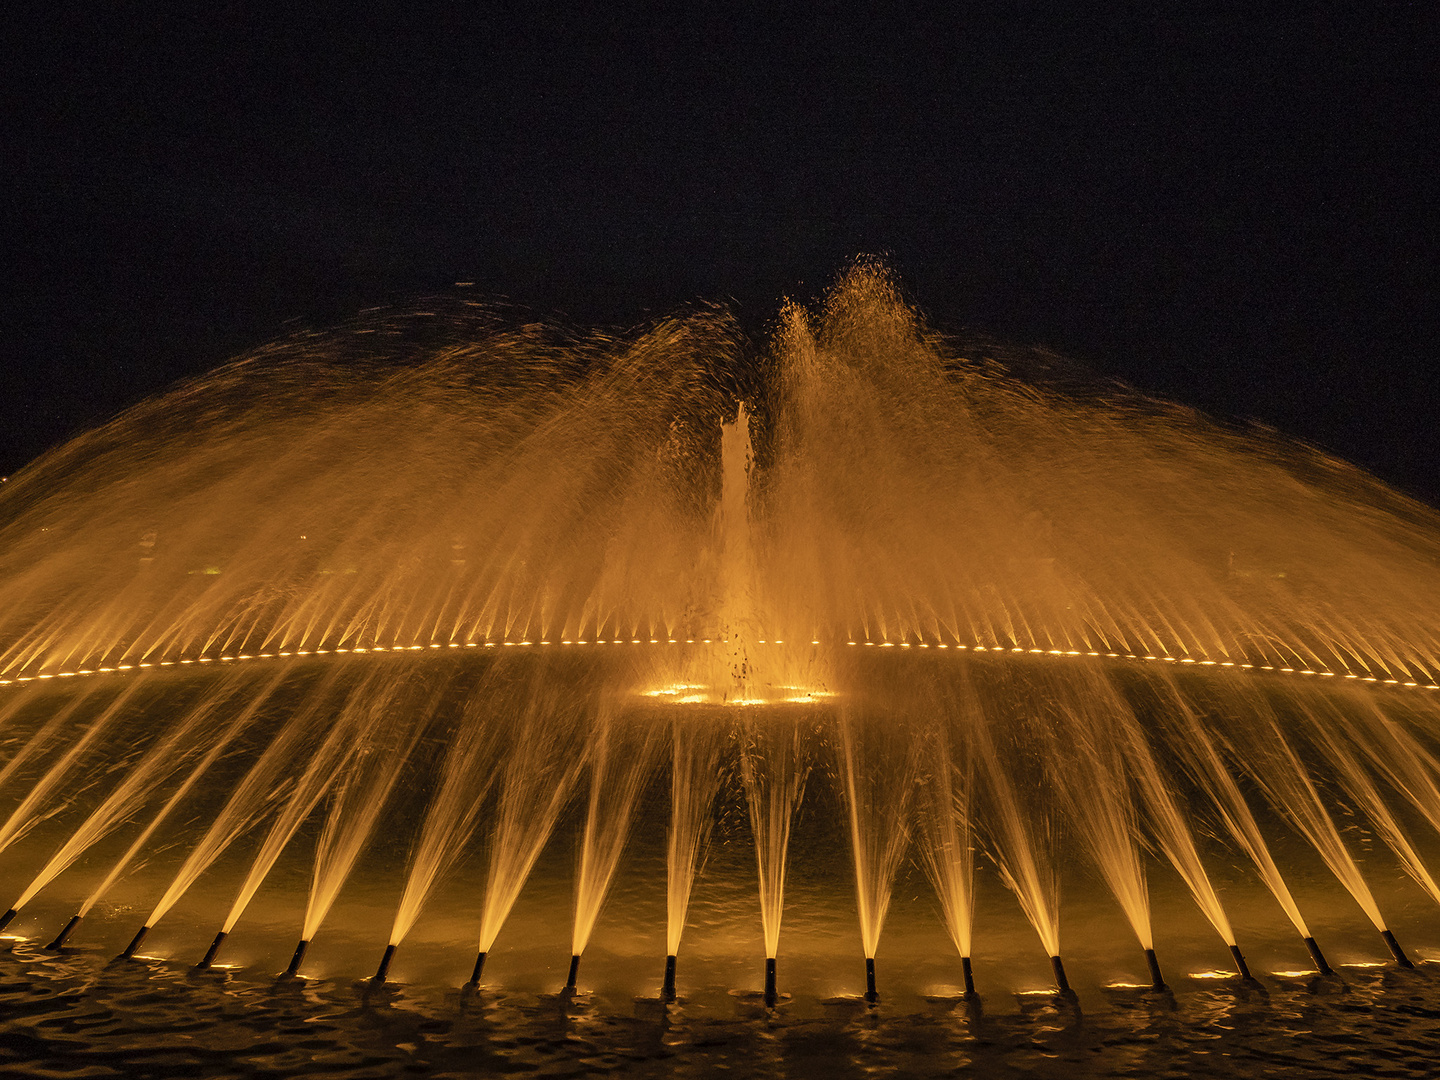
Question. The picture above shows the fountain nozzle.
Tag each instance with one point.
(969, 976)
(574, 973)
(1157, 980)
(298, 959)
(64, 935)
(871, 995)
(7, 918)
(210, 953)
(478, 969)
(667, 988)
(1240, 963)
(1061, 982)
(135, 942)
(771, 996)
(1395, 950)
(1315, 954)
(384, 969)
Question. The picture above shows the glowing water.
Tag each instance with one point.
(1021, 619)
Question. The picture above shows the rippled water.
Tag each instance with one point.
(81, 1015)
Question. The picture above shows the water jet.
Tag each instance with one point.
(991, 615)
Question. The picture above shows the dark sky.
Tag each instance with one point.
(1217, 203)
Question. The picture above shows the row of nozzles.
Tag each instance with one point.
(667, 991)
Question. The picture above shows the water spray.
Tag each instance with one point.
(1062, 984)
(771, 996)
(1395, 950)
(574, 973)
(667, 988)
(209, 957)
(64, 935)
(299, 958)
(871, 994)
(384, 968)
(1321, 964)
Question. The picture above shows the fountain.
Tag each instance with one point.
(469, 591)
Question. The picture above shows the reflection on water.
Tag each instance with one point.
(78, 1014)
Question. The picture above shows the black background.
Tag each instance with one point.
(1227, 204)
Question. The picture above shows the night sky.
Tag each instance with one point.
(1231, 208)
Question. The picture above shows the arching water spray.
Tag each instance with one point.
(947, 842)
(697, 748)
(544, 760)
(877, 762)
(623, 757)
(774, 764)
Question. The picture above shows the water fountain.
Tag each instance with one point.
(360, 587)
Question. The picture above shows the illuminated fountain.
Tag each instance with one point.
(461, 588)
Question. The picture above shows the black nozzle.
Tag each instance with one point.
(1157, 980)
(871, 995)
(1395, 950)
(384, 969)
(574, 972)
(64, 935)
(667, 988)
(771, 995)
(969, 975)
(8, 918)
(1061, 982)
(297, 959)
(135, 943)
(1315, 954)
(1240, 963)
(209, 957)
(479, 968)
